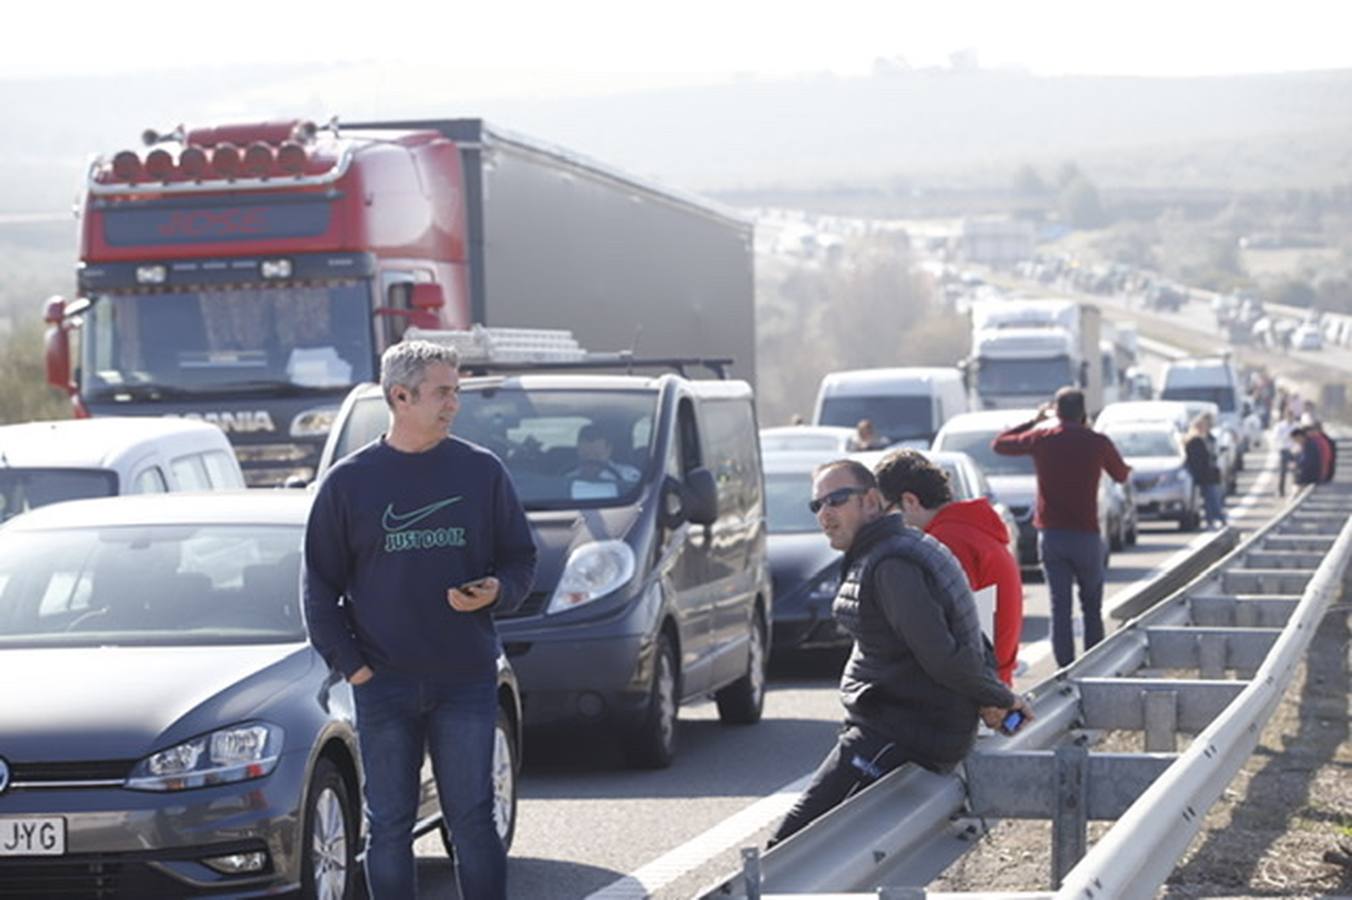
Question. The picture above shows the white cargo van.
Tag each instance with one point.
(907, 406)
(1214, 379)
(47, 462)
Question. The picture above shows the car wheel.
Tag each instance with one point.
(741, 702)
(506, 765)
(652, 743)
(329, 848)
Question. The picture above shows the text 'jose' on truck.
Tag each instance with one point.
(250, 275)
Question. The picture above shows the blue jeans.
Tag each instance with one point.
(399, 717)
(1215, 504)
(1069, 557)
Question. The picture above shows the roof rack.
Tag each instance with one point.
(485, 350)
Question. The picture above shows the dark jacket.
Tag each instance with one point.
(1309, 464)
(1068, 458)
(1200, 464)
(919, 669)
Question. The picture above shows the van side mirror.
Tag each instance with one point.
(427, 297)
(699, 497)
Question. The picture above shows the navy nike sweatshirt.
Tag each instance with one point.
(389, 533)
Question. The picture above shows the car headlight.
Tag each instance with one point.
(238, 753)
(315, 422)
(825, 588)
(593, 571)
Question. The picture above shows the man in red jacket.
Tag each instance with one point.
(1069, 459)
(971, 529)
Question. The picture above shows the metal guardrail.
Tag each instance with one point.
(1252, 611)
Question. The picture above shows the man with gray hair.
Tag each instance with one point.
(410, 541)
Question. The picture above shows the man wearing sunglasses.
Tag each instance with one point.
(917, 678)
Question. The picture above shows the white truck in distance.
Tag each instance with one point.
(1024, 350)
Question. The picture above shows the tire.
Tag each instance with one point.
(651, 744)
(742, 702)
(506, 767)
(328, 865)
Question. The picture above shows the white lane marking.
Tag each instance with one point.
(1040, 651)
(697, 851)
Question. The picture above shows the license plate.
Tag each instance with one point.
(33, 836)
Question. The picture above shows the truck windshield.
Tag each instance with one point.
(895, 418)
(24, 489)
(229, 338)
(1223, 397)
(1024, 376)
(565, 448)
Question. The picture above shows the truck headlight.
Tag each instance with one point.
(315, 422)
(593, 570)
(238, 753)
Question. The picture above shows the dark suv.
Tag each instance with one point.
(646, 500)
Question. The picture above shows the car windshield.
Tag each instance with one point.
(166, 585)
(213, 339)
(895, 418)
(25, 489)
(786, 498)
(1145, 443)
(1223, 397)
(564, 448)
(977, 445)
(1024, 376)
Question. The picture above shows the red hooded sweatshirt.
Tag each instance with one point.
(973, 530)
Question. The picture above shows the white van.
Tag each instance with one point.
(47, 462)
(907, 406)
(1216, 380)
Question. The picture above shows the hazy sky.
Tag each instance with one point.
(550, 48)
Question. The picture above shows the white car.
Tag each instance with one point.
(47, 462)
(823, 439)
(1307, 337)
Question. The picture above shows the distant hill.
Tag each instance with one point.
(895, 130)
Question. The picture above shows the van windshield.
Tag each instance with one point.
(1223, 397)
(894, 418)
(566, 449)
(23, 489)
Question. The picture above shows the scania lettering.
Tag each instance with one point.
(258, 271)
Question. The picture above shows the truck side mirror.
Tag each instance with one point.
(427, 297)
(699, 497)
(57, 344)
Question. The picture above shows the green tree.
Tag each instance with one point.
(1080, 205)
(1066, 174)
(24, 394)
(1028, 183)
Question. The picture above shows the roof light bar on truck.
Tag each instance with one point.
(497, 349)
(229, 168)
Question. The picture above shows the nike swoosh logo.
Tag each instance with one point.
(393, 521)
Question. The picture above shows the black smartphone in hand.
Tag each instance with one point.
(1011, 722)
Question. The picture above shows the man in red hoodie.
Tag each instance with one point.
(971, 529)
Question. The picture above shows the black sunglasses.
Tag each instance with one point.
(838, 497)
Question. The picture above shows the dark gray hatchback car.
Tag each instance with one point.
(166, 730)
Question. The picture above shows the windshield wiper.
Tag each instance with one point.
(141, 390)
(275, 386)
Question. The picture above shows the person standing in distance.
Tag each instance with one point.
(917, 678)
(972, 529)
(410, 542)
(1068, 458)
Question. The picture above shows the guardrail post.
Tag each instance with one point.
(1070, 824)
(751, 872)
(1211, 656)
(1161, 721)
